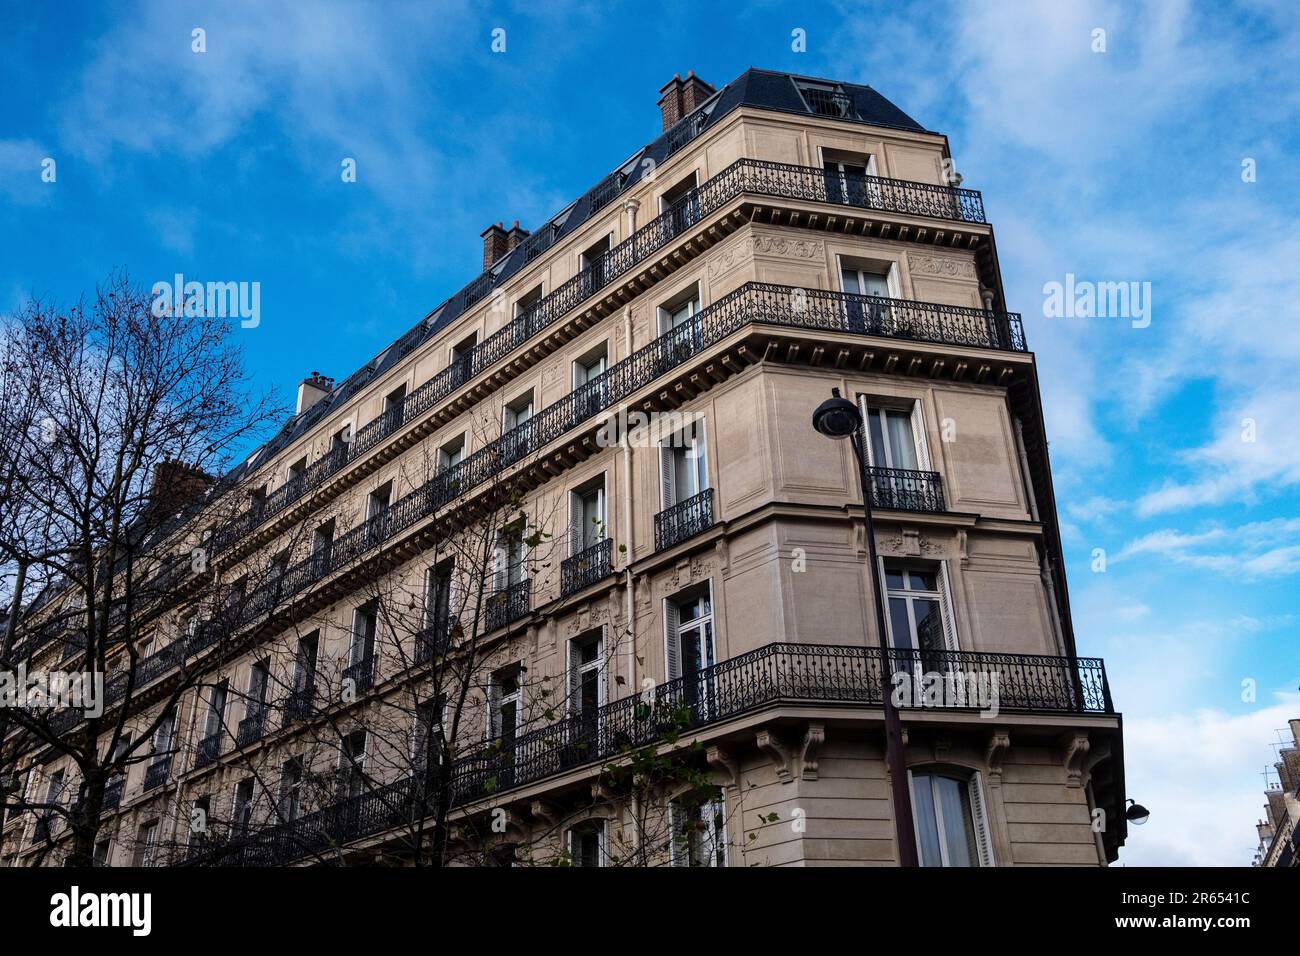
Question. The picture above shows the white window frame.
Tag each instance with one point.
(574, 670)
(497, 700)
(867, 404)
(585, 367)
(510, 413)
(600, 826)
(670, 446)
(714, 815)
(578, 526)
(979, 813)
(673, 628)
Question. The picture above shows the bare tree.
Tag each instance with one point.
(115, 416)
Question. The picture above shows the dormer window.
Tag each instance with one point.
(827, 99)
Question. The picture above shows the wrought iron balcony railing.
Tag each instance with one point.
(299, 704)
(507, 604)
(434, 640)
(684, 520)
(798, 673)
(752, 176)
(156, 774)
(830, 103)
(209, 749)
(113, 794)
(361, 674)
(587, 567)
(251, 728)
(906, 490)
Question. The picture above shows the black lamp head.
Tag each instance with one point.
(1136, 814)
(837, 417)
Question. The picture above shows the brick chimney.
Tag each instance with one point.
(174, 484)
(312, 389)
(678, 97)
(515, 236)
(494, 244)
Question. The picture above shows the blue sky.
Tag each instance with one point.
(1122, 165)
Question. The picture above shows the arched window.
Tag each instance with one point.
(951, 825)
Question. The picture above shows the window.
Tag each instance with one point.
(867, 280)
(352, 764)
(509, 555)
(679, 310)
(461, 358)
(257, 498)
(450, 454)
(688, 635)
(259, 679)
(53, 797)
(437, 595)
(377, 501)
(425, 734)
(241, 815)
(365, 621)
(304, 667)
(504, 712)
(341, 439)
(146, 844)
(297, 468)
(200, 810)
(587, 843)
(102, 852)
(920, 616)
(682, 204)
(827, 99)
(590, 365)
(290, 802)
(951, 826)
(594, 257)
(895, 436)
(322, 539)
(216, 709)
(586, 671)
(683, 472)
(699, 829)
(393, 400)
(162, 739)
(528, 301)
(587, 517)
(517, 411)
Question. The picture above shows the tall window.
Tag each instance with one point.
(365, 621)
(241, 815)
(591, 365)
(892, 442)
(683, 203)
(146, 844)
(951, 827)
(594, 258)
(679, 310)
(322, 539)
(688, 637)
(683, 471)
(163, 738)
(352, 764)
(217, 709)
(102, 851)
(517, 411)
(259, 679)
(393, 400)
(424, 737)
(304, 666)
(437, 596)
(920, 617)
(587, 843)
(509, 555)
(586, 687)
(378, 500)
(290, 801)
(699, 830)
(200, 812)
(587, 517)
(505, 697)
(451, 453)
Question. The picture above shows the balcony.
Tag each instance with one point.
(251, 728)
(156, 775)
(434, 640)
(587, 567)
(795, 673)
(208, 751)
(507, 605)
(830, 103)
(361, 675)
(113, 794)
(904, 490)
(299, 704)
(684, 520)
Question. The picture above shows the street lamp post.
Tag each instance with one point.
(839, 418)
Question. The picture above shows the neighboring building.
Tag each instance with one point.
(1279, 831)
(702, 584)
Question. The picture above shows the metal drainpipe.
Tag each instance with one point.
(626, 502)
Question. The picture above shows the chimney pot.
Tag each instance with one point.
(494, 244)
(679, 98)
(312, 389)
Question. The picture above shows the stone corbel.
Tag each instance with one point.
(725, 763)
(777, 751)
(545, 811)
(811, 748)
(601, 793)
(999, 741)
(1075, 747)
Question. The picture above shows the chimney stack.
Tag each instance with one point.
(678, 97)
(515, 236)
(312, 390)
(175, 484)
(494, 244)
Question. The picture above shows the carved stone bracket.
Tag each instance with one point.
(1075, 747)
(721, 760)
(601, 793)
(545, 811)
(999, 741)
(813, 739)
(777, 751)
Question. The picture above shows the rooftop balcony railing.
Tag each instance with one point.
(684, 520)
(752, 303)
(587, 567)
(798, 673)
(752, 176)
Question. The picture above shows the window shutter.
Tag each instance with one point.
(865, 412)
(678, 847)
(667, 478)
(494, 709)
(885, 639)
(983, 842)
(918, 433)
(601, 675)
(499, 564)
(672, 648)
(575, 524)
(571, 668)
(946, 609)
(916, 825)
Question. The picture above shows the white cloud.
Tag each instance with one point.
(1256, 549)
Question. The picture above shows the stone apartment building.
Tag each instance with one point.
(1278, 830)
(596, 464)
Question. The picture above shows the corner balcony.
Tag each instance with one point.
(777, 673)
(684, 520)
(903, 490)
